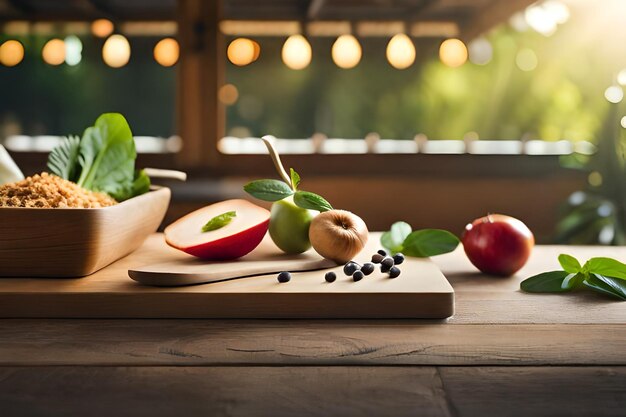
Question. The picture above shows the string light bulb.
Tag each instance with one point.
(296, 52)
(116, 51)
(346, 52)
(53, 52)
(166, 52)
(453, 52)
(401, 51)
(11, 53)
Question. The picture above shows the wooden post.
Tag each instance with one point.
(200, 116)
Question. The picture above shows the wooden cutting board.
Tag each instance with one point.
(421, 291)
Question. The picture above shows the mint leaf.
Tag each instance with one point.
(268, 190)
(569, 263)
(546, 282)
(220, 221)
(394, 238)
(607, 267)
(429, 242)
(295, 179)
(607, 285)
(311, 201)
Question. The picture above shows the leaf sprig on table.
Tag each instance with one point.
(603, 275)
(274, 190)
(419, 243)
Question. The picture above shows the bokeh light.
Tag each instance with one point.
(73, 50)
(346, 52)
(296, 52)
(53, 52)
(623, 122)
(166, 52)
(614, 94)
(453, 52)
(480, 51)
(243, 51)
(526, 59)
(116, 51)
(102, 28)
(228, 94)
(11, 53)
(621, 77)
(400, 51)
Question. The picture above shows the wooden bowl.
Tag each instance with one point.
(70, 242)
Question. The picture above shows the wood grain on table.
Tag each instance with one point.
(504, 353)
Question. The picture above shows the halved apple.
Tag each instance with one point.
(240, 236)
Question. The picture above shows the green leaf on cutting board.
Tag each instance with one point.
(546, 282)
(429, 242)
(607, 267)
(613, 287)
(393, 239)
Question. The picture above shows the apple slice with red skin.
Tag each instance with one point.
(234, 240)
(498, 244)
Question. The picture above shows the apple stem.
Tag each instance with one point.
(267, 139)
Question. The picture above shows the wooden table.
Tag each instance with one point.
(504, 353)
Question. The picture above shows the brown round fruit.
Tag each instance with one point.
(338, 235)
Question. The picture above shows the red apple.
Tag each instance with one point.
(235, 239)
(498, 244)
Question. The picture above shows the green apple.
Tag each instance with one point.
(289, 226)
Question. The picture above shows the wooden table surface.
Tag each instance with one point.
(504, 353)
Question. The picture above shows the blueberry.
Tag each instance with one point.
(398, 258)
(377, 258)
(358, 276)
(384, 268)
(330, 277)
(350, 267)
(382, 252)
(394, 272)
(284, 276)
(367, 268)
(387, 262)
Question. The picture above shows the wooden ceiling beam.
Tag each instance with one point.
(487, 17)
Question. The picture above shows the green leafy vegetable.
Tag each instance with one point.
(220, 221)
(603, 275)
(606, 266)
(569, 263)
(607, 285)
(311, 201)
(268, 190)
(295, 179)
(546, 282)
(275, 190)
(102, 160)
(429, 242)
(63, 159)
(393, 240)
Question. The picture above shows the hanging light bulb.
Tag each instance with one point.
(73, 50)
(400, 51)
(101, 28)
(116, 51)
(53, 52)
(11, 53)
(242, 51)
(346, 52)
(453, 52)
(166, 52)
(296, 52)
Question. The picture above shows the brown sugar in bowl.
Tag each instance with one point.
(75, 242)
